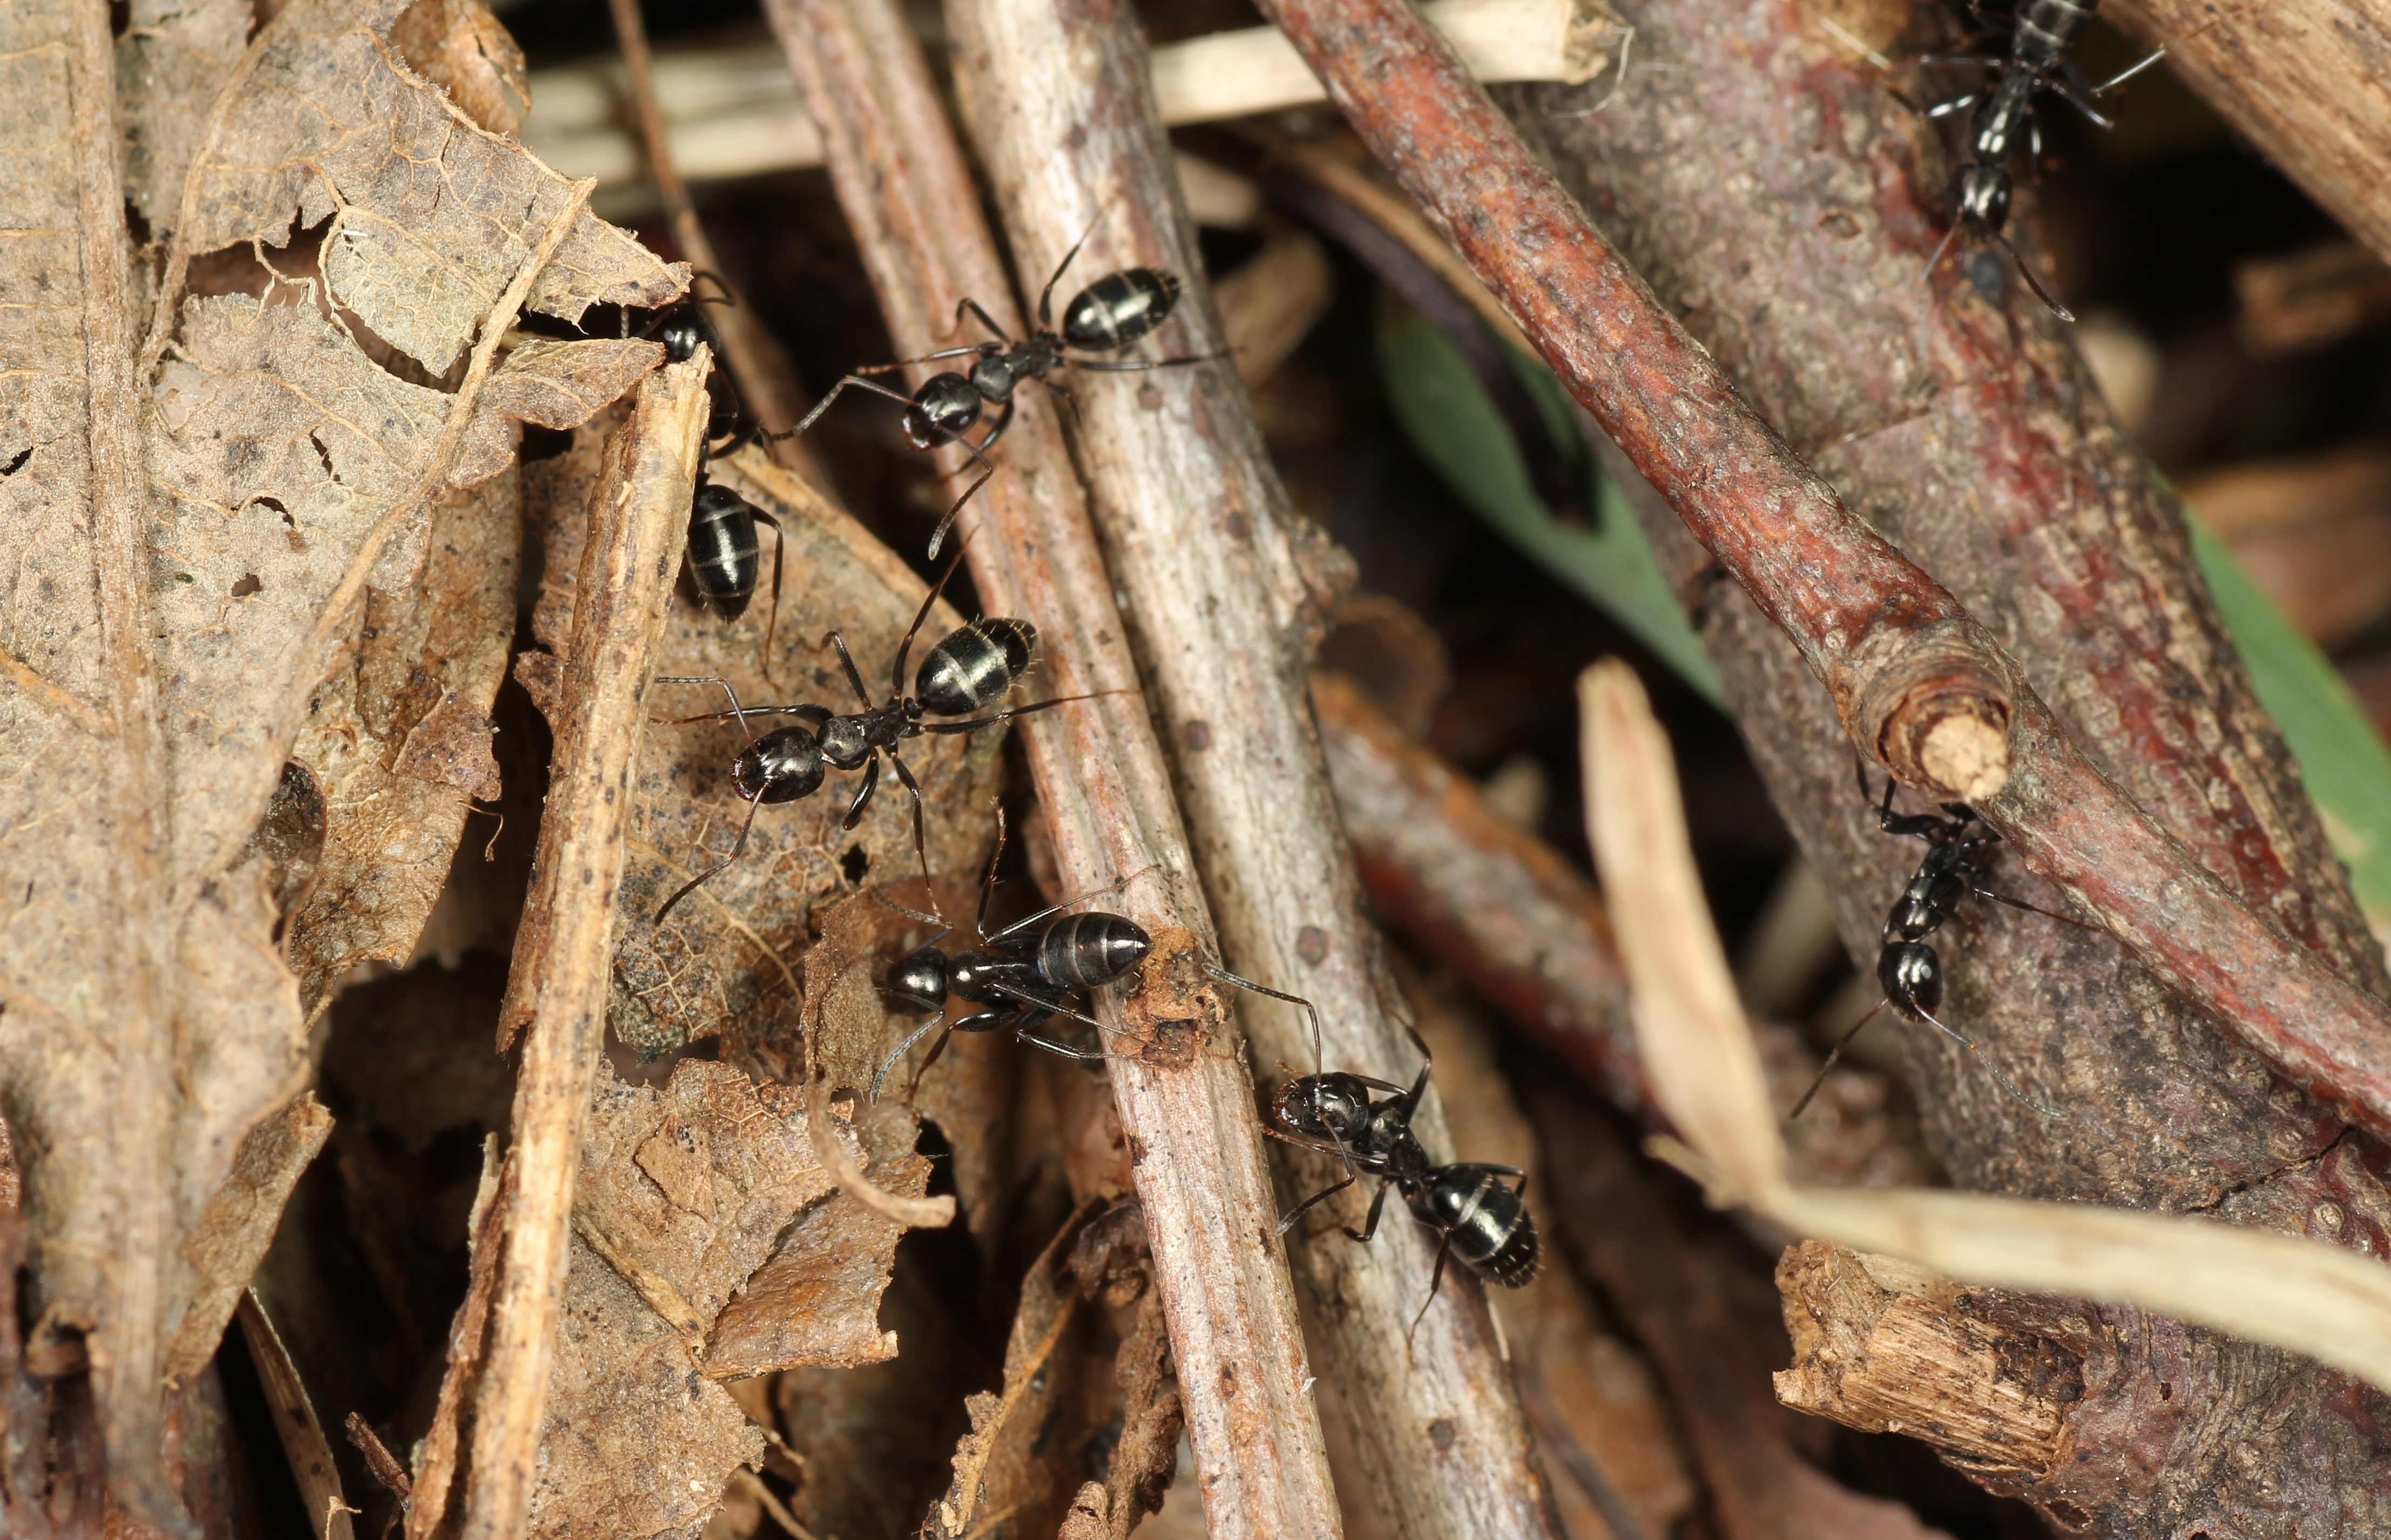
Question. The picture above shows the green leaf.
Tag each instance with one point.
(2345, 762)
(1457, 430)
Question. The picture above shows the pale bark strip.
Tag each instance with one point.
(1226, 589)
(560, 981)
(2302, 80)
(1190, 1117)
(126, 1349)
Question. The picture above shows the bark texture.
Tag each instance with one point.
(1782, 202)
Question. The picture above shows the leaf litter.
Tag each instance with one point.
(194, 569)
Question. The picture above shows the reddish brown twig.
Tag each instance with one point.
(1915, 680)
(1228, 587)
(1186, 1105)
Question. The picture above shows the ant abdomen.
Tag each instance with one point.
(723, 560)
(781, 766)
(1080, 952)
(1485, 1218)
(975, 666)
(1119, 308)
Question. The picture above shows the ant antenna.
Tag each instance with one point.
(1833, 1058)
(1964, 1041)
(1319, 1065)
(2026, 271)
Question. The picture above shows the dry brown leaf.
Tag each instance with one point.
(727, 959)
(635, 1440)
(238, 1224)
(197, 545)
(458, 46)
(817, 1300)
(171, 60)
(398, 744)
(685, 1190)
(555, 384)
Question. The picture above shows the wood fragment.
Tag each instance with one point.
(304, 1442)
(558, 986)
(1228, 592)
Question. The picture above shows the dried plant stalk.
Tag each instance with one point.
(1185, 1101)
(2304, 1295)
(1228, 589)
(558, 987)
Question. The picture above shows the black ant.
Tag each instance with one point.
(1477, 1215)
(723, 557)
(1108, 314)
(1959, 849)
(2042, 32)
(972, 669)
(1027, 976)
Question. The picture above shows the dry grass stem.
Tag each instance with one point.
(2312, 1298)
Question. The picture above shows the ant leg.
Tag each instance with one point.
(1068, 398)
(1964, 1041)
(1435, 1281)
(1941, 250)
(1052, 1007)
(920, 847)
(863, 794)
(713, 678)
(938, 358)
(1370, 1226)
(975, 723)
(2031, 909)
(1322, 1196)
(846, 661)
(1225, 977)
(2130, 71)
(823, 405)
(1097, 366)
(1833, 1058)
(1022, 925)
(772, 625)
(988, 884)
(906, 1047)
(905, 643)
(1046, 296)
(968, 305)
(737, 846)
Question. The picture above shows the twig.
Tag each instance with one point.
(2301, 79)
(1228, 589)
(558, 986)
(1482, 895)
(302, 1431)
(753, 357)
(1916, 681)
(1186, 1105)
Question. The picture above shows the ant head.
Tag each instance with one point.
(845, 743)
(1323, 1106)
(1984, 196)
(683, 330)
(917, 982)
(779, 767)
(942, 409)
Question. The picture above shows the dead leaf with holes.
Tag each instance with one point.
(205, 493)
(726, 960)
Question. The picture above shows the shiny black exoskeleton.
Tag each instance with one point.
(1477, 1214)
(1959, 850)
(974, 667)
(1110, 314)
(1028, 974)
(723, 557)
(2041, 32)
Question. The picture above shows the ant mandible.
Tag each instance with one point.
(971, 668)
(1027, 976)
(1108, 314)
(1959, 849)
(1476, 1214)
